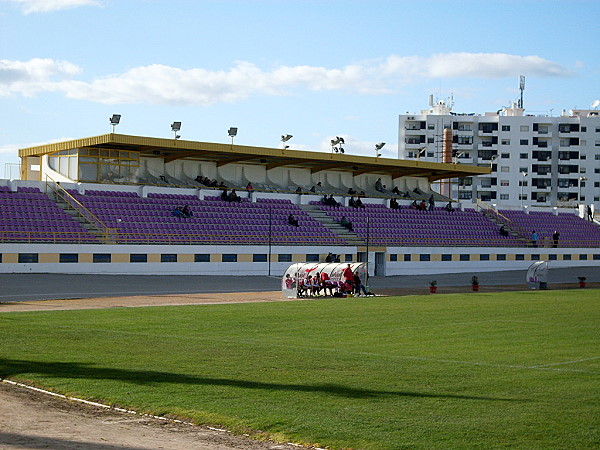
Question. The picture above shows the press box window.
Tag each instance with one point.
(28, 258)
(138, 258)
(259, 257)
(168, 258)
(101, 258)
(68, 258)
(520, 257)
(201, 257)
(284, 257)
(229, 257)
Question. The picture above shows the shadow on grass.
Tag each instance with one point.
(9, 368)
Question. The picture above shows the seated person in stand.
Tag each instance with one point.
(346, 223)
(233, 197)
(177, 212)
(422, 206)
(394, 204)
(186, 211)
(379, 185)
(503, 231)
(329, 258)
(362, 194)
(414, 204)
(351, 191)
(298, 190)
(352, 202)
(293, 221)
(449, 207)
(396, 190)
(225, 196)
(249, 186)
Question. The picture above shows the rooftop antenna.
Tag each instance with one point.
(521, 88)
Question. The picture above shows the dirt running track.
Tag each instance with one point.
(29, 419)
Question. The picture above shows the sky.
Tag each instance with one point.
(314, 69)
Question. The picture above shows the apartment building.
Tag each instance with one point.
(535, 160)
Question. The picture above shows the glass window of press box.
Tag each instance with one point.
(96, 165)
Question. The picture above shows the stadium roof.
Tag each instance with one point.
(222, 154)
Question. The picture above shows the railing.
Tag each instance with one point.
(105, 231)
(488, 210)
(71, 237)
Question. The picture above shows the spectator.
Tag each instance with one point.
(422, 206)
(396, 190)
(379, 185)
(352, 202)
(351, 191)
(293, 221)
(590, 214)
(359, 203)
(298, 190)
(346, 223)
(555, 237)
(362, 194)
(249, 186)
(394, 204)
(329, 258)
(431, 203)
(233, 197)
(534, 238)
(225, 196)
(449, 207)
(503, 231)
(186, 211)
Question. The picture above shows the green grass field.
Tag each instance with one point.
(487, 370)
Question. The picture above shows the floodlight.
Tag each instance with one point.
(340, 139)
(286, 137)
(380, 145)
(335, 141)
(114, 121)
(232, 132)
(175, 126)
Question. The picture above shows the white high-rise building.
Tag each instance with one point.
(536, 160)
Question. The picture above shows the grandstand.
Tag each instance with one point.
(108, 204)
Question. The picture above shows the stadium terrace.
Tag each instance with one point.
(115, 204)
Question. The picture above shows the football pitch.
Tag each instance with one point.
(488, 370)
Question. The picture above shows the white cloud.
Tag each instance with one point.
(160, 84)
(44, 6)
(36, 75)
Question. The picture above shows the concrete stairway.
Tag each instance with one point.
(328, 221)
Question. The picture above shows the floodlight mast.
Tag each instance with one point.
(377, 148)
(114, 121)
(284, 139)
(175, 127)
(232, 132)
